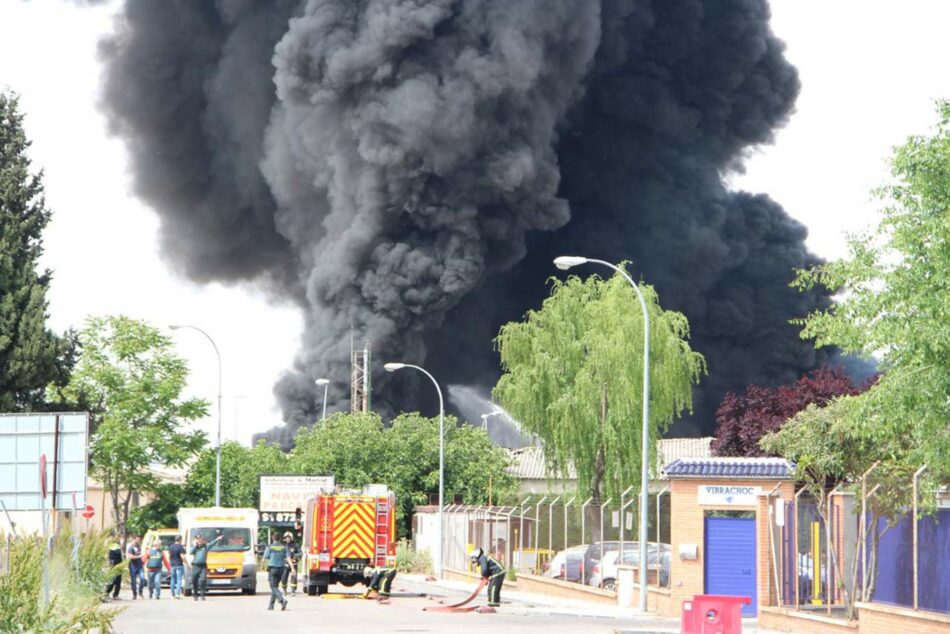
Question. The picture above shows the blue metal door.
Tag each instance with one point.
(730, 558)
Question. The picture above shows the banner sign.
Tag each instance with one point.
(725, 495)
(287, 493)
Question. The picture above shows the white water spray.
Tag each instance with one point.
(502, 428)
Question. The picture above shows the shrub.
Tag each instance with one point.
(74, 600)
(410, 560)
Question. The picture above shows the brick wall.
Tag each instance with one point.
(687, 527)
(781, 620)
(876, 618)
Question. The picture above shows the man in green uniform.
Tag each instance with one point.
(199, 566)
(276, 558)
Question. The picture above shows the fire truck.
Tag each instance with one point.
(346, 532)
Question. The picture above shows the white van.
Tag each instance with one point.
(232, 559)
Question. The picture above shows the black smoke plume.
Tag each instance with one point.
(407, 169)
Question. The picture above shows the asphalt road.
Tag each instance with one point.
(235, 613)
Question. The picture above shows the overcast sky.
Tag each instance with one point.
(870, 71)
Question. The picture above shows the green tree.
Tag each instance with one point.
(130, 372)
(241, 471)
(831, 447)
(357, 449)
(31, 355)
(894, 304)
(573, 376)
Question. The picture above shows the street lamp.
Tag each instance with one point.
(217, 466)
(392, 367)
(326, 384)
(565, 262)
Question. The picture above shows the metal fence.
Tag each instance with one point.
(562, 536)
(827, 552)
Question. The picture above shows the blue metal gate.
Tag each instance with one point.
(730, 559)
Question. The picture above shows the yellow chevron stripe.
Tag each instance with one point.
(357, 540)
(354, 529)
(353, 534)
(354, 547)
(349, 511)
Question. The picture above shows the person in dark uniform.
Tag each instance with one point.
(199, 566)
(115, 558)
(276, 558)
(492, 572)
(380, 581)
(290, 570)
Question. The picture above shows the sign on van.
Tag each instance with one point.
(287, 493)
(726, 495)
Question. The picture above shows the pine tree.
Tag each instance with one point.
(31, 356)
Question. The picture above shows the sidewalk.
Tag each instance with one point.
(532, 603)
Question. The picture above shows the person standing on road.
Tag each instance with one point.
(199, 566)
(154, 565)
(115, 558)
(136, 566)
(492, 572)
(177, 562)
(276, 558)
(290, 570)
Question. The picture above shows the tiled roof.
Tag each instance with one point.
(528, 463)
(771, 468)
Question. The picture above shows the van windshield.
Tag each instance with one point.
(232, 539)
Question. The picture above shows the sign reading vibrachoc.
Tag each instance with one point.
(726, 495)
(284, 494)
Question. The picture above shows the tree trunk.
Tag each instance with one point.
(597, 482)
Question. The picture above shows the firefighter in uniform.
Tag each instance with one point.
(492, 572)
(380, 580)
(276, 557)
(290, 570)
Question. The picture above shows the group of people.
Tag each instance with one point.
(281, 557)
(146, 567)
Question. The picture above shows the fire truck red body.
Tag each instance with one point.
(346, 532)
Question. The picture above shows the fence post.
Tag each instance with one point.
(775, 571)
(917, 474)
(584, 537)
(829, 596)
(623, 506)
(566, 505)
(521, 535)
(797, 557)
(508, 540)
(864, 530)
(537, 530)
(551, 522)
(602, 506)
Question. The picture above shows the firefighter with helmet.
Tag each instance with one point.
(290, 568)
(492, 572)
(380, 580)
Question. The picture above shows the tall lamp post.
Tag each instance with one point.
(392, 367)
(564, 263)
(326, 384)
(217, 465)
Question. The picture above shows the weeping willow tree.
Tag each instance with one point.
(573, 375)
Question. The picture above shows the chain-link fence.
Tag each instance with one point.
(563, 537)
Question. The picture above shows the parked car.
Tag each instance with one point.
(593, 554)
(567, 564)
(604, 573)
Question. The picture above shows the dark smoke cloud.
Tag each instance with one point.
(407, 169)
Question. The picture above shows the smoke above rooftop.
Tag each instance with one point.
(406, 170)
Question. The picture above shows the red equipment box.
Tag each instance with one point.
(713, 614)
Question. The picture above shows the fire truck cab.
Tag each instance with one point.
(346, 532)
